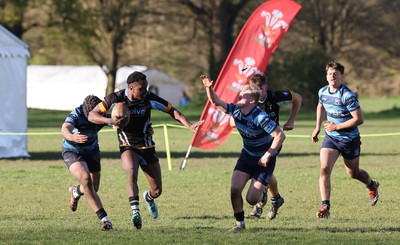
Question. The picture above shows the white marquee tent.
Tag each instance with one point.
(65, 87)
(14, 56)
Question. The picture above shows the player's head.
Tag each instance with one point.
(89, 103)
(335, 65)
(260, 80)
(136, 77)
(249, 95)
(137, 85)
(334, 74)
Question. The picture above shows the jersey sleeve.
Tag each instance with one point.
(73, 118)
(266, 123)
(283, 97)
(158, 103)
(110, 99)
(350, 101)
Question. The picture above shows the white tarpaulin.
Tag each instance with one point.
(14, 56)
(63, 87)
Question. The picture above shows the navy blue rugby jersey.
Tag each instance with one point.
(135, 133)
(255, 129)
(82, 125)
(338, 106)
(274, 101)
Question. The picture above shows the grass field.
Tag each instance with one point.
(195, 206)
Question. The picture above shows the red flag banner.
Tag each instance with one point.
(249, 55)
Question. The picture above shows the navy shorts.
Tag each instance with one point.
(92, 159)
(349, 148)
(249, 164)
(146, 156)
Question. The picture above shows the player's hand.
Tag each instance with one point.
(288, 126)
(264, 160)
(207, 82)
(330, 126)
(79, 138)
(150, 130)
(194, 126)
(314, 136)
(116, 121)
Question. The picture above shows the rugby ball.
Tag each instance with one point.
(120, 110)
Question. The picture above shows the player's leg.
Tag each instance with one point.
(276, 199)
(353, 170)
(81, 172)
(152, 171)
(130, 164)
(238, 182)
(351, 154)
(328, 158)
(95, 176)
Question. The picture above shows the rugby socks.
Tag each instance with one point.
(134, 202)
(326, 203)
(371, 186)
(274, 200)
(102, 215)
(149, 198)
(77, 192)
(239, 216)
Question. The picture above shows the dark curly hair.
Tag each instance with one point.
(135, 77)
(89, 104)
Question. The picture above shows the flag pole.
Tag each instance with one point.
(183, 164)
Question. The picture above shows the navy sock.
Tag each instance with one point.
(275, 199)
(239, 216)
(101, 213)
(326, 203)
(371, 185)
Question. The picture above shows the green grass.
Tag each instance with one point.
(195, 205)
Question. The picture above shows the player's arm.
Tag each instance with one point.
(296, 104)
(96, 116)
(212, 96)
(177, 115)
(357, 119)
(320, 111)
(66, 132)
(232, 122)
(278, 138)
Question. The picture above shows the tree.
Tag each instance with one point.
(100, 27)
(218, 19)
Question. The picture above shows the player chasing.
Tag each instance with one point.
(262, 138)
(81, 154)
(135, 142)
(270, 102)
(341, 135)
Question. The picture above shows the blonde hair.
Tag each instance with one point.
(254, 90)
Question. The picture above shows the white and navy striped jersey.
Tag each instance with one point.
(255, 129)
(338, 106)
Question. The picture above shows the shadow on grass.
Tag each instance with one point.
(162, 154)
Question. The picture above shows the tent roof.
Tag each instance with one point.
(11, 46)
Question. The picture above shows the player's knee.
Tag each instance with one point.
(156, 192)
(252, 200)
(325, 171)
